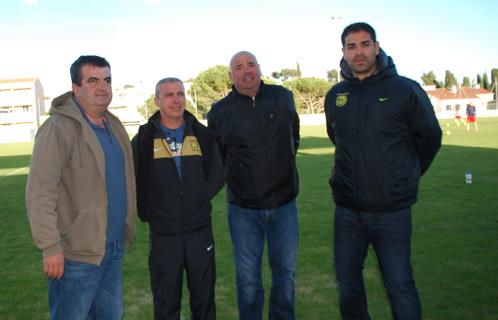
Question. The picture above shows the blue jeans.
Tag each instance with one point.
(390, 235)
(88, 291)
(249, 229)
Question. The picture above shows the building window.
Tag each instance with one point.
(448, 107)
(491, 105)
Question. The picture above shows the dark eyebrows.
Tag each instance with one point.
(363, 43)
(95, 79)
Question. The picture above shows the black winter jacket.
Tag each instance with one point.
(386, 135)
(258, 139)
(171, 205)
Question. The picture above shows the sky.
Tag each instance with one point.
(146, 40)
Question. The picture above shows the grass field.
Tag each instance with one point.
(455, 241)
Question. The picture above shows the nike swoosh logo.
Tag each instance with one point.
(382, 99)
(157, 149)
(210, 247)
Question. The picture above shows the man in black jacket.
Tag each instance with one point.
(178, 171)
(257, 129)
(386, 136)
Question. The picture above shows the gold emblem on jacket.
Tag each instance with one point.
(341, 99)
(194, 146)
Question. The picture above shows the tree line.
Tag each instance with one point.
(450, 80)
(213, 84)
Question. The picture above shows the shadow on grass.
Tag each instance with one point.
(14, 161)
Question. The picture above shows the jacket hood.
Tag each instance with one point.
(385, 67)
(64, 105)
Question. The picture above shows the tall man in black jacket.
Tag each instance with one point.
(178, 171)
(386, 136)
(257, 129)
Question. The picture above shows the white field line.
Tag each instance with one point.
(13, 172)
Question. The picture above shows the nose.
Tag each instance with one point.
(246, 68)
(360, 50)
(102, 84)
(177, 99)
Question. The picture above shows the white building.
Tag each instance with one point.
(21, 101)
(125, 104)
(21, 105)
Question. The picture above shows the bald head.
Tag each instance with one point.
(242, 53)
(245, 73)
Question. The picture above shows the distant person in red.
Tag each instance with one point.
(471, 116)
(458, 117)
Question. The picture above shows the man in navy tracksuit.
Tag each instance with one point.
(179, 170)
(386, 135)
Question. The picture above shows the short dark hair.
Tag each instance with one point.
(168, 80)
(356, 27)
(75, 69)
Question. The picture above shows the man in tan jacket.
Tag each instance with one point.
(80, 197)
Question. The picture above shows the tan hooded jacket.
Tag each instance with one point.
(66, 197)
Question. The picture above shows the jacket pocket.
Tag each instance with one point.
(85, 235)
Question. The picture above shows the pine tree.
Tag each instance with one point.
(485, 81)
(449, 80)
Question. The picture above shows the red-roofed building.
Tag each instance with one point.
(447, 102)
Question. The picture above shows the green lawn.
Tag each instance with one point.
(455, 241)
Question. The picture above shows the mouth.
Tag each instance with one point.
(360, 60)
(248, 77)
(176, 108)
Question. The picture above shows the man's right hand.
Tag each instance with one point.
(53, 266)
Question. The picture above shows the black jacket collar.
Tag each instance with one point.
(187, 116)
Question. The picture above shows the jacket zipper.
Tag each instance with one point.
(362, 107)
